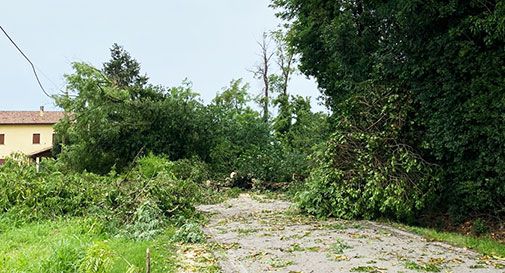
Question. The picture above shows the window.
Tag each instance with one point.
(2, 139)
(36, 138)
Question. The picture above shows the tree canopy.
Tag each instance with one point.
(443, 62)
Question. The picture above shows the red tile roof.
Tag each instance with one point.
(30, 117)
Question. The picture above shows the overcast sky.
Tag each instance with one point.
(208, 42)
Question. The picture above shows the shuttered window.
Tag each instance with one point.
(2, 139)
(36, 138)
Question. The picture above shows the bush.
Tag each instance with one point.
(190, 232)
(367, 170)
(479, 227)
(191, 169)
(30, 195)
(142, 200)
(147, 222)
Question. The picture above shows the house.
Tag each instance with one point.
(27, 132)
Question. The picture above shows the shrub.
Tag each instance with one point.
(50, 193)
(150, 166)
(147, 222)
(141, 200)
(190, 232)
(479, 227)
(191, 169)
(367, 170)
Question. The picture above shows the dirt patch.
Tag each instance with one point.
(254, 234)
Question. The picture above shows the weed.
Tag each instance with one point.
(65, 257)
(297, 248)
(98, 259)
(339, 246)
(426, 267)
(278, 263)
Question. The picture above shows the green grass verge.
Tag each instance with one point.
(483, 245)
(65, 245)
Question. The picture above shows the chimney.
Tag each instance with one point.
(41, 112)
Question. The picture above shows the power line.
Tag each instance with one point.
(33, 66)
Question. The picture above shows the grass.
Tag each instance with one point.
(64, 245)
(483, 245)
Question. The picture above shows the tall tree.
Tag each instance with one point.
(262, 72)
(445, 61)
(285, 59)
(123, 70)
(116, 115)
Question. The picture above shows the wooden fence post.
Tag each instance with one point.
(148, 261)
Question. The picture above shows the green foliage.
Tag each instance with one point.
(483, 245)
(189, 232)
(366, 171)
(443, 61)
(64, 245)
(191, 169)
(116, 115)
(65, 257)
(147, 222)
(479, 227)
(151, 166)
(98, 259)
(299, 131)
(124, 71)
(244, 143)
(30, 195)
(141, 200)
(236, 129)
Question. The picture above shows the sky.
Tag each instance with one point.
(208, 42)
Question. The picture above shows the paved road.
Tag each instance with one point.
(255, 234)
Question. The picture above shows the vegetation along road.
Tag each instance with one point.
(256, 234)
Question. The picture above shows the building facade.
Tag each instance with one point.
(27, 132)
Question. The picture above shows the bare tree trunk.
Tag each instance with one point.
(266, 86)
(262, 71)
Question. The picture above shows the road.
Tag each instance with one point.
(255, 234)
